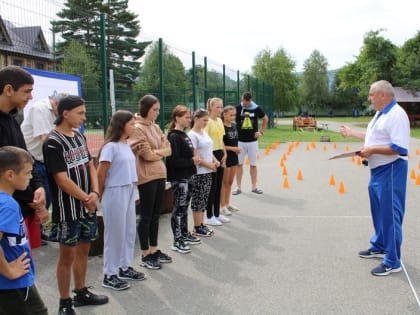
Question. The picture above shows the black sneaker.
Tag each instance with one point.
(131, 274)
(371, 254)
(150, 262)
(384, 270)
(205, 227)
(115, 283)
(85, 297)
(180, 246)
(200, 231)
(163, 258)
(190, 239)
(66, 307)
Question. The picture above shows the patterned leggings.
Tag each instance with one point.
(182, 196)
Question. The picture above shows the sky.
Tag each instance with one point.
(235, 32)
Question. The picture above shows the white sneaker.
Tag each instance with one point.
(233, 208)
(213, 221)
(225, 211)
(222, 218)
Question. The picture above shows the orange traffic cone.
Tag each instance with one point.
(353, 159)
(281, 163)
(246, 161)
(413, 174)
(335, 145)
(325, 148)
(418, 180)
(284, 170)
(418, 166)
(299, 176)
(332, 180)
(417, 152)
(307, 147)
(285, 183)
(341, 189)
(347, 148)
(359, 161)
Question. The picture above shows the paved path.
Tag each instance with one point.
(289, 251)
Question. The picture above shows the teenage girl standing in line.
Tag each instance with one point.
(230, 140)
(117, 178)
(216, 131)
(206, 165)
(151, 146)
(181, 166)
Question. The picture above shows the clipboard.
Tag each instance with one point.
(344, 155)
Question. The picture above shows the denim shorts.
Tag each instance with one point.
(69, 233)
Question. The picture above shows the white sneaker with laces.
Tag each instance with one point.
(213, 221)
(222, 218)
(233, 208)
(225, 211)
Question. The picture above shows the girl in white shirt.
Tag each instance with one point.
(207, 164)
(117, 179)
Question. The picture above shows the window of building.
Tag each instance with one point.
(40, 65)
(17, 62)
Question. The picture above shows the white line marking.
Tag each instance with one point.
(411, 285)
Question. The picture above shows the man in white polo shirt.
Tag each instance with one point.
(386, 150)
(37, 123)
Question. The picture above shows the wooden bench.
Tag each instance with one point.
(308, 123)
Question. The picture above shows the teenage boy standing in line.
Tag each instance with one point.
(16, 87)
(74, 192)
(247, 115)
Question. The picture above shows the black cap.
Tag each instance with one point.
(67, 103)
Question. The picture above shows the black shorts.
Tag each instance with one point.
(232, 159)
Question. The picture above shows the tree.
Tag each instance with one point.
(315, 89)
(376, 61)
(77, 61)
(278, 69)
(407, 69)
(80, 20)
(174, 75)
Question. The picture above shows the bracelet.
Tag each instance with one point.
(95, 192)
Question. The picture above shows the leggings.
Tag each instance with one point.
(213, 203)
(151, 201)
(182, 196)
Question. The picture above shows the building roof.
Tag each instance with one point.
(28, 40)
(403, 95)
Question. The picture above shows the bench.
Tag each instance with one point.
(307, 123)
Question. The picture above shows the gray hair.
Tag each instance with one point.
(384, 87)
(57, 97)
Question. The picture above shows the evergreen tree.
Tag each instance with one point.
(80, 21)
(315, 81)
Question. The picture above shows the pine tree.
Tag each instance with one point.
(80, 21)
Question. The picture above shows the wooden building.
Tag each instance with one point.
(410, 101)
(24, 46)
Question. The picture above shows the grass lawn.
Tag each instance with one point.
(285, 133)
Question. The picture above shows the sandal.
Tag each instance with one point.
(257, 191)
(237, 191)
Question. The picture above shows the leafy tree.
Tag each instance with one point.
(376, 61)
(173, 74)
(76, 61)
(80, 20)
(407, 70)
(315, 89)
(343, 99)
(277, 69)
